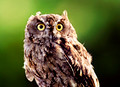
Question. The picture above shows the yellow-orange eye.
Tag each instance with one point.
(41, 27)
(59, 27)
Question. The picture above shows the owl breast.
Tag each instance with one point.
(50, 65)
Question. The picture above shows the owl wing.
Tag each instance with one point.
(80, 61)
(28, 72)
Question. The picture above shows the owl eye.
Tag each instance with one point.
(40, 26)
(59, 27)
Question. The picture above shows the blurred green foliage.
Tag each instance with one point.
(97, 23)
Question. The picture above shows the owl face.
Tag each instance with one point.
(49, 27)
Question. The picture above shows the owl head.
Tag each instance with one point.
(48, 27)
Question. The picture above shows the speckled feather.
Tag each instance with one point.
(56, 58)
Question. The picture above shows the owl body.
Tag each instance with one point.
(53, 56)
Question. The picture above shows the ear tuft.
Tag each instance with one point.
(65, 14)
(38, 13)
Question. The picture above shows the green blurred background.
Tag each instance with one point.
(97, 23)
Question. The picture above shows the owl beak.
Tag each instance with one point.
(49, 28)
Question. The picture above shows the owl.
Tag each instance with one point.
(53, 56)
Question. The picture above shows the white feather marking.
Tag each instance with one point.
(73, 84)
(80, 72)
(41, 19)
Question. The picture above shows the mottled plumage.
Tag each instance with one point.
(53, 56)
